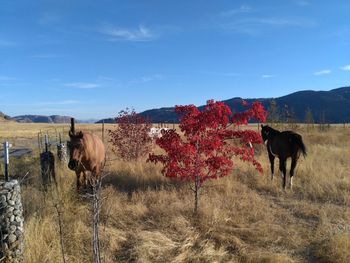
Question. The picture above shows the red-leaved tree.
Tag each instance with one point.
(208, 143)
(130, 138)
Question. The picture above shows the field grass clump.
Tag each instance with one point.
(244, 217)
(335, 249)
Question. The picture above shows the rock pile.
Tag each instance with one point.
(11, 222)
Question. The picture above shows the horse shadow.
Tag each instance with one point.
(128, 182)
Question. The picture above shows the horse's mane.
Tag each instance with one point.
(272, 130)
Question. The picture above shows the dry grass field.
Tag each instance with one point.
(145, 217)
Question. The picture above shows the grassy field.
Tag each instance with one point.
(145, 217)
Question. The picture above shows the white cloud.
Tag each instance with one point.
(142, 33)
(256, 25)
(240, 10)
(323, 72)
(267, 76)
(283, 22)
(303, 3)
(82, 85)
(48, 18)
(346, 67)
(146, 79)
(106, 78)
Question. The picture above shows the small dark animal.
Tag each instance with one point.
(47, 163)
(283, 145)
(87, 154)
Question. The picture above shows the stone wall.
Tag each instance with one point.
(11, 222)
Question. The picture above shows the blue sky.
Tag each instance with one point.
(90, 59)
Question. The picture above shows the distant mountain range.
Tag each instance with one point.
(46, 119)
(326, 106)
(4, 117)
(42, 119)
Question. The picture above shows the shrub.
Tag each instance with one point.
(206, 150)
(130, 138)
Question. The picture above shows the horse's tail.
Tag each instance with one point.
(300, 143)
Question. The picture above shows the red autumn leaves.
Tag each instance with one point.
(209, 142)
(204, 149)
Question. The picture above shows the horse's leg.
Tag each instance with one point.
(292, 167)
(272, 162)
(78, 180)
(283, 171)
(85, 179)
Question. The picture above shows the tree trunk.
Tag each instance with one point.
(196, 181)
(196, 194)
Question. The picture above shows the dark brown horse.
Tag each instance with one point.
(87, 154)
(283, 145)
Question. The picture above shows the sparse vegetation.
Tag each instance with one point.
(147, 218)
(130, 137)
(274, 115)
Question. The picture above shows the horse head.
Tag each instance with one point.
(76, 150)
(265, 132)
(75, 147)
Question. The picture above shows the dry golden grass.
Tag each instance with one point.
(334, 249)
(243, 218)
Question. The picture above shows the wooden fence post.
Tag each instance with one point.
(103, 131)
(6, 160)
(46, 142)
(39, 142)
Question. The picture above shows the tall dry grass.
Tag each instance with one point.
(243, 218)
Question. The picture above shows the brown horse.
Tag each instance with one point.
(87, 154)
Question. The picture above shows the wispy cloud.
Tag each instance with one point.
(256, 25)
(346, 67)
(142, 33)
(303, 3)
(323, 72)
(48, 18)
(146, 79)
(243, 9)
(267, 76)
(283, 22)
(82, 85)
(105, 78)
